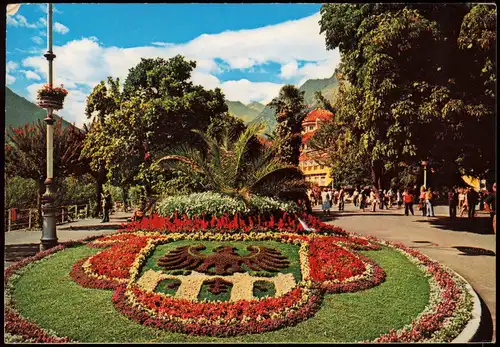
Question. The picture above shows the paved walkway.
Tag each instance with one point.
(466, 246)
(70, 231)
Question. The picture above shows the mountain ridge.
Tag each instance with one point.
(19, 111)
(256, 112)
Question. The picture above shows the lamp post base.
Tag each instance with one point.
(49, 237)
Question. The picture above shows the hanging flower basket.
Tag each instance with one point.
(48, 97)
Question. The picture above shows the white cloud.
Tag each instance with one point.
(37, 39)
(31, 75)
(10, 79)
(61, 28)
(9, 67)
(289, 70)
(81, 64)
(20, 21)
(246, 91)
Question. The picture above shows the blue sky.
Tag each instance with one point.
(248, 50)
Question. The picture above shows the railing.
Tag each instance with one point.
(17, 219)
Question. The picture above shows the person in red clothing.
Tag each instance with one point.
(408, 200)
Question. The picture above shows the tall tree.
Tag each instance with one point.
(25, 154)
(104, 100)
(410, 99)
(290, 111)
(157, 110)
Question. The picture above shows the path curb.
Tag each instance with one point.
(472, 326)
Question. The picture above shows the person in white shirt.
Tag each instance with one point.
(325, 197)
(355, 197)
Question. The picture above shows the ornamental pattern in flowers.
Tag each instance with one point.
(326, 264)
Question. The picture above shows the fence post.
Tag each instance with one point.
(62, 217)
(29, 219)
(77, 217)
(9, 219)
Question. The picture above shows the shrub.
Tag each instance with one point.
(214, 204)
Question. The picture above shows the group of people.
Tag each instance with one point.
(328, 198)
(460, 200)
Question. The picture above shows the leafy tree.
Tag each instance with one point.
(103, 101)
(156, 111)
(231, 168)
(410, 98)
(290, 112)
(25, 154)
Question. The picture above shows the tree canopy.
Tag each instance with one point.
(418, 85)
(156, 110)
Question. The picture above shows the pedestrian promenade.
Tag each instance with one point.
(466, 246)
(71, 231)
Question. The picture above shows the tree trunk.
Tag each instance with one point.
(377, 174)
(148, 199)
(125, 197)
(100, 181)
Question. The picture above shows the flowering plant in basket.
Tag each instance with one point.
(52, 97)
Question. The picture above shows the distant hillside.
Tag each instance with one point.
(327, 86)
(242, 111)
(268, 117)
(19, 111)
(257, 106)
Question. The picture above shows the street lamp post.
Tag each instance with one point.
(424, 164)
(49, 237)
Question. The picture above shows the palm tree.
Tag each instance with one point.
(290, 111)
(237, 168)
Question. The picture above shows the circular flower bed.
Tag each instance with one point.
(232, 277)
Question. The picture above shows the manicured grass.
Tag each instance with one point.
(46, 294)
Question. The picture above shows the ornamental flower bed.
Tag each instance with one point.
(327, 259)
(51, 97)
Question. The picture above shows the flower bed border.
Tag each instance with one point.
(465, 324)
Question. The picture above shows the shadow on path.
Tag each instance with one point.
(481, 225)
(485, 331)
(474, 251)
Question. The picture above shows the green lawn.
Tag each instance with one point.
(46, 294)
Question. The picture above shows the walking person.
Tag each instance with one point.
(429, 199)
(453, 202)
(465, 204)
(325, 197)
(341, 199)
(373, 199)
(472, 197)
(421, 201)
(390, 196)
(355, 197)
(106, 204)
(490, 202)
(399, 198)
(408, 201)
(362, 200)
(381, 197)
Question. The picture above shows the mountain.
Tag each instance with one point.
(244, 112)
(327, 86)
(19, 111)
(268, 117)
(257, 106)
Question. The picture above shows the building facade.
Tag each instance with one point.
(309, 164)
